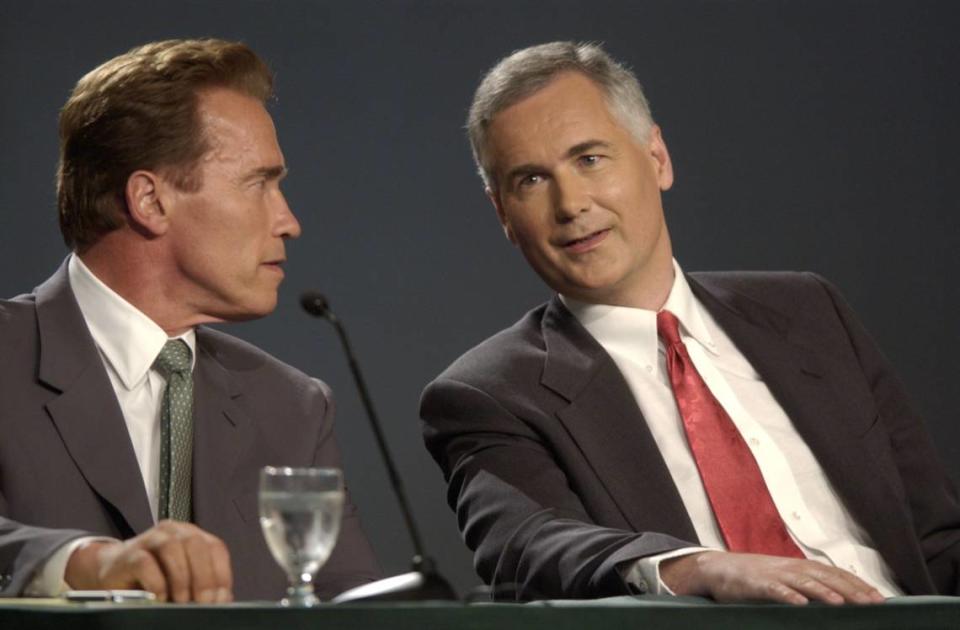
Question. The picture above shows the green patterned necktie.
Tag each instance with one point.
(176, 431)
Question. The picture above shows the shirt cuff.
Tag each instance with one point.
(49, 578)
(643, 575)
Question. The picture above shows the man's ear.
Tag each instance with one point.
(661, 157)
(144, 204)
(501, 215)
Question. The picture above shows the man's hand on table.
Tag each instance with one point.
(176, 561)
(729, 577)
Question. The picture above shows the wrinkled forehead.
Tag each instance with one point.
(237, 128)
(545, 124)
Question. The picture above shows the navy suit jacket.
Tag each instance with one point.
(556, 479)
(67, 466)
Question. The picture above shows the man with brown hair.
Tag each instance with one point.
(133, 435)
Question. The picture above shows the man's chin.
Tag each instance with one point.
(254, 312)
(584, 289)
(242, 312)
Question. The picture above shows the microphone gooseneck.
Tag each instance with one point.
(424, 583)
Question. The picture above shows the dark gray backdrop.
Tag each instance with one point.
(805, 135)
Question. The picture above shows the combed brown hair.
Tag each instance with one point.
(139, 111)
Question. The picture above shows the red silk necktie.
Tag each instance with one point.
(745, 512)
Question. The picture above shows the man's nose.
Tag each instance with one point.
(571, 196)
(286, 224)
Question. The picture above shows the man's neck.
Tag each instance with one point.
(649, 291)
(139, 279)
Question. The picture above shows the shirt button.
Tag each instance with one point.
(649, 368)
(795, 515)
(754, 442)
(853, 569)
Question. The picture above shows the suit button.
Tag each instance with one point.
(5, 580)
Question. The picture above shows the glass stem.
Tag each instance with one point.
(301, 592)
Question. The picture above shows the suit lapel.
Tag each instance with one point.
(604, 420)
(800, 378)
(85, 409)
(222, 434)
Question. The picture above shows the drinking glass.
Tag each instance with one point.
(300, 511)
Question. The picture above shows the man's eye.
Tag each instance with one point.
(529, 180)
(589, 160)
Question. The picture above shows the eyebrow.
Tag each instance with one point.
(268, 172)
(531, 168)
(586, 145)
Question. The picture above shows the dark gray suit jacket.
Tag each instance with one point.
(67, 466)
(556, 479)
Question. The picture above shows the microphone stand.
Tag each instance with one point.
(424, 582)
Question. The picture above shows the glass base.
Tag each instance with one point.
(300, 596)
(305, 602)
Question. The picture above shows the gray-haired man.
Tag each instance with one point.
(734, 435)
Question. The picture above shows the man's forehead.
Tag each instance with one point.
(237, 128)
(231, 114)
(562, 90)
(568, 111)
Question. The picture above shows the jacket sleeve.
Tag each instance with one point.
(530, 533)
(24, 549)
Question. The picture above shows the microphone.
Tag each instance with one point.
(424, 582)
(316, 304)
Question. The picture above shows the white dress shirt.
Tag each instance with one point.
(128, 342)
(806, 500)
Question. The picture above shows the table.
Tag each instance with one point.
(649, 613)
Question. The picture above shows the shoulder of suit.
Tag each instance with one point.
(243, 358)
(25, 301)
(806, 302)
(781, 289)
(18, 313)
(506, 355)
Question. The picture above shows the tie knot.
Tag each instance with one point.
(668, 327)
(173, 358)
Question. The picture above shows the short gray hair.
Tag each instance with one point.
(526, 71)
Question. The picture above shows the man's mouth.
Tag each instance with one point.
(585, 243)
(275, 265)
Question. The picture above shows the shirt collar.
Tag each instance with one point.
(685, 305)
(128, 340)
(635, 329)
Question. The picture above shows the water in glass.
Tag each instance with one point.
(300, 512)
